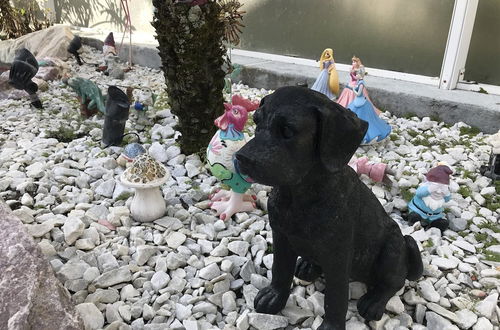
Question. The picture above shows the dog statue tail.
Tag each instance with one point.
(415, 266)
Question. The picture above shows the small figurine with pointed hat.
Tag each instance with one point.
(427, 205)
(109, 47)
(108, 51)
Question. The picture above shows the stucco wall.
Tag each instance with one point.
(104, 14)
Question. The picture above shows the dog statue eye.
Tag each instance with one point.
(286, 132)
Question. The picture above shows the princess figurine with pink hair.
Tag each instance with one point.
(357, 72)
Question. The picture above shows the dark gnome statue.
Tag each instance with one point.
(320, 211)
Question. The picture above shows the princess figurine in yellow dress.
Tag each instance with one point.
(328, 79)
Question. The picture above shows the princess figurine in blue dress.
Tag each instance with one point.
(328, 79)
(377, 128)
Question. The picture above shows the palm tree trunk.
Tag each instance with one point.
(192, 53)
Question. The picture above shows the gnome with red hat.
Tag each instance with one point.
(427, 205)
(109, 47)
(108, 51)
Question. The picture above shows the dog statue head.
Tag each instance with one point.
(299, 129)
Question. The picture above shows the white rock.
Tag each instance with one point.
(267, 321)
(209, 272)
(428, 292)
(442, 311)
(466, 318)
(175, 239)
(92, 317)
(444, 263)
(487, 306)
(483, 324)
(182, 312)
(464, 245)
(158, 152)
(106, 188)
(143, 253)
(238, 247)
(395, 305)
(159, 280)
(436, 322)
(72, 228)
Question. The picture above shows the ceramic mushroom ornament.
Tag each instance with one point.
(146, 175)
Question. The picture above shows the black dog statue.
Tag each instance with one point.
(320, 211)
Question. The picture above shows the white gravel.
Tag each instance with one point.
(189, 270)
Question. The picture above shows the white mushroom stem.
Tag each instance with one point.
(148, 204)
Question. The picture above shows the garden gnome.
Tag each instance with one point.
(492, 170)
(109, 45)
(108, 50)
(427, 205)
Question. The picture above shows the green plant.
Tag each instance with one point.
(406, 194)
(124, 196)
(64, 134)
(469, 130)
(17, 22)
(465, 191)
(409, 115)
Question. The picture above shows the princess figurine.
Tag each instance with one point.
(357, 72)
(328, 80)
(377, 128)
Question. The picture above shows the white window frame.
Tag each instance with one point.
(457, 46)
(453, 66)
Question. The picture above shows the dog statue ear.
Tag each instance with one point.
(340, 133)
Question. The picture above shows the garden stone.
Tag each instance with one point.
(160, 280)
(72, 228)
(296, 314)
(106, 188)
(182, 312)
(466, 318)
(175, 239)
(128, 291)
(113, 277)
(444, 263)
(210, 272)
(443, 312)
(395, 305)
(158, 152)
(143, 253)
(428, 291)
(483, 324)
(267, 321)
(36, 298)
(91, 274)
(91, 316)
(39, 230)
(487, 307)
(436, 322)
(239, 247)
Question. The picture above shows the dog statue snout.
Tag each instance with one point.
(243, 162)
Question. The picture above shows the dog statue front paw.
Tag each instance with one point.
(270, 300)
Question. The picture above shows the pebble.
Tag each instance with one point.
(92, 317)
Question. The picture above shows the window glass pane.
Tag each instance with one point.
(483, 60)
(400, 35)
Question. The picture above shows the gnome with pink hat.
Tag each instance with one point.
(427, 205)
